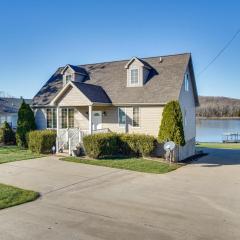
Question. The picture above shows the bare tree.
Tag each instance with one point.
(218, 107)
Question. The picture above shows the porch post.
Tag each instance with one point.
(90, 119)
(57, 143)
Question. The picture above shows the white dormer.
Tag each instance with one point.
(137, 72)
(73, 73)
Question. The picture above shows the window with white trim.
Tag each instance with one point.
(71, 118)
(134, 76)
(136, 117)
(68, 78)
(186, 82)
(122, 116)
(51, 118)
(67, 118)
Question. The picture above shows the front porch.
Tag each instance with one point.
(79, 112)
(73, 123)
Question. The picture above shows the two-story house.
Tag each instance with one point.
(120, 96)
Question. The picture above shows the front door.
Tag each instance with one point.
(96, 120)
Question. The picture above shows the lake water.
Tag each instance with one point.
(212, 130)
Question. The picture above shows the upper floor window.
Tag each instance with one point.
(51, 118)
(136, 117)
(134, 76)
(186, 82)
(68, 78)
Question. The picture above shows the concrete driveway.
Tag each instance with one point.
(198, 201)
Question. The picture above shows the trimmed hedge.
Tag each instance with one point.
(101, 144)
(7, 135)
(42, 141)
(137, 144)
(112, 144)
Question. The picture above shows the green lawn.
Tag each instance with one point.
(219, 145)
(134, 164)
(11, 196)
(13, 153)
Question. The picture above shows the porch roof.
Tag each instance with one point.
(91, 93)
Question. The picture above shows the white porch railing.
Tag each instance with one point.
(68, 139)
(76, 138)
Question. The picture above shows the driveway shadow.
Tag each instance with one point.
(219, 157)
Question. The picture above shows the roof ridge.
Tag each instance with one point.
(142, 58)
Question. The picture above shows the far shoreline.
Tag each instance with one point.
(218, 118)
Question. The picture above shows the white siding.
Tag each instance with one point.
(150, 119)
(188, 108)
(73, 97)
(81, 118)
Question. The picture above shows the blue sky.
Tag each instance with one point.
(36, 37)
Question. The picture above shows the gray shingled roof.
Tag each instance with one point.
(92, 92)
(78, 69)
(163, 85)
(11, 105)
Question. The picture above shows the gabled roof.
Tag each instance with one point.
(76, 69)
(95, 94)
(163, 84)
(144, 64)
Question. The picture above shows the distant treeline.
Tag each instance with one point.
(218, 107)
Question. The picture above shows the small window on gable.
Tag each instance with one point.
(134, 76)
(68, 78)
(186, 82)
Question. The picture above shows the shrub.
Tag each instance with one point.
(146, 144)
(171, 128)
(129, 144)
(112, 144)
(7, 135)
(41, 141)
(137, 144)
(101, 145)
(25, 124)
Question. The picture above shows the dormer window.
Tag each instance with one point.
(134, 78)
(73, 73)
(137, 72)
(68, 78)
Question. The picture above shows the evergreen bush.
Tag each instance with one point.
(25, 124)
(7, 135)
(171, 128)
(41, 141)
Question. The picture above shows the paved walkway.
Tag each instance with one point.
(198, 201)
